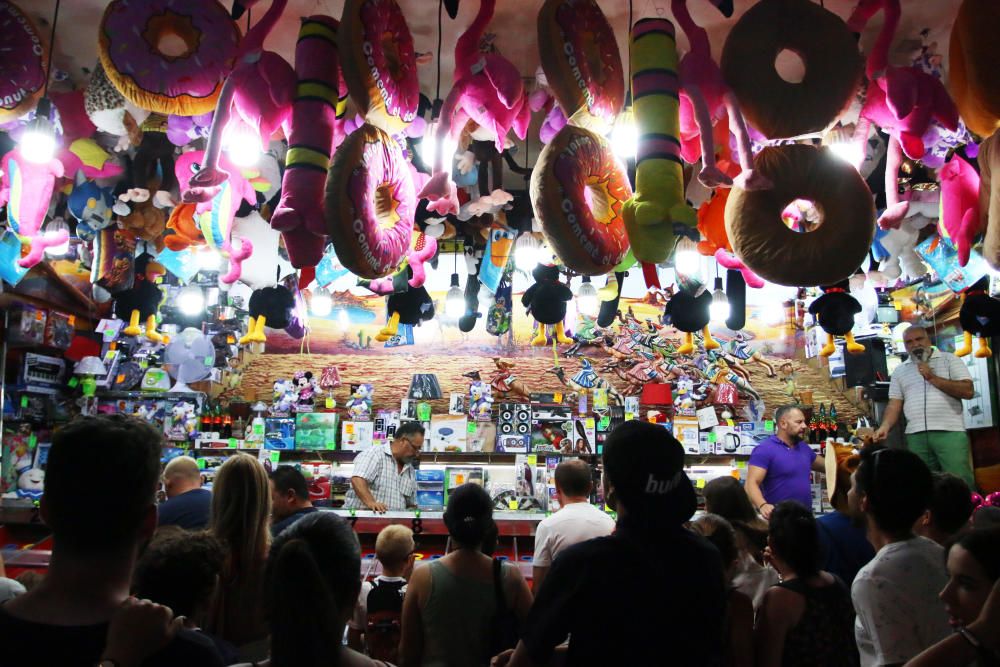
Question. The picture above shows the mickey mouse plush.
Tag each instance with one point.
(546, 302)
(980, 315)
(835, 311)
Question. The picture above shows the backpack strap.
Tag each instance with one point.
(498, 586)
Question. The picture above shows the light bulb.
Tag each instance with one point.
(454, 302)
(208, 259)
(687, 261)
(625, 136)
(526, 252)
(849, 152)
(55, 226)
(429, 147)
(719, 310)
(191, 300)
(587, 302)
(774, 312)
(320, 304)
(38, 143)
(242, 144)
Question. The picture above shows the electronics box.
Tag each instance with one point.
(279, 433)
(357, 436)
(316, 430)
(43, 374)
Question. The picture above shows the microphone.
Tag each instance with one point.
(918, 354)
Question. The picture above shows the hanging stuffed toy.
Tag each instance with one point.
(959, 221)
(154, 160)
(316, 131)
(488, 90)
(715, 241)
(610, 296)
(980, 315)
(182, 228)
(88, 156)
(989, 199)
(736, 293)
(499, 244)
(835, 311)
(902, 101)
(91, 205)
(411, 277)
(24, 64)
(709, 98)
(542, 99)
(271, 306)
(658, 211)
(546, 301)
(973, 77)
(110, 112)
(690, 314)
(410, 307)
(467, 322)
(141, 302)
(142, 217)
(259, 90)
(26, 189)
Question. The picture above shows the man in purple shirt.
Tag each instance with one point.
(779, 466)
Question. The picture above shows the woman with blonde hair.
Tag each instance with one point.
(241, 511)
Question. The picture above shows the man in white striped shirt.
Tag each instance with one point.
(928, 388)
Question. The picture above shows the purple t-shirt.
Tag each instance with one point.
(787, 470)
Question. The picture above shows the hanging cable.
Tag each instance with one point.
(52, 49)
(437, 92)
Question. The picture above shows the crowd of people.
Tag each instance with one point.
(902, 574)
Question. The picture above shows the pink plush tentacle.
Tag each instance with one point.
(467, 48)
(417, 259)
(254, 40)
(38, 245)
(236, 258)
(711, 176)
(382, 286)
(204, 185)
(895, 210)
(968, 229)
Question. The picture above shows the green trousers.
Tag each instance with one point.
(946, 451)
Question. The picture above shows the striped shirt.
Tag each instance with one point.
(943, 412)
(393, 488)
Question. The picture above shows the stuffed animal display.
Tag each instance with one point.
(269, 306)
(545, 301)
(690, 314)
(980, 316)
(140, 303)
(989, 199)
(26, 189)
(835, 311)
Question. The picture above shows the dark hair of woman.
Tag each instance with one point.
(469, 515)
(312, 584)
(794, 538)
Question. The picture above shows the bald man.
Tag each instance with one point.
(187, 504)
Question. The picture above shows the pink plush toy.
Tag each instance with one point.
(26, 188)
(488, 90)
(900, 100)
(959, 220)
(215, 217)
(709, 97)
(542, 99)
(259, 90)
(423, 250)
(316, 130)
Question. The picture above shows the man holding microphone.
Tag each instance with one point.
(928, 388)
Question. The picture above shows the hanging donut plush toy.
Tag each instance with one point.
(824, 256)
(22, 67)
(578, 186)
(658, 211)
(579, 55)
(168, 56)
(777, 107)
(380, 64)
(578, 189)
(317, 116)
(973, 75)
(370, 203)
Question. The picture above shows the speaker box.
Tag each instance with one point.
(513, 426)
(862, 370)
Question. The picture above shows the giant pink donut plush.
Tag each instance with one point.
(153, 72)
(370, 203)
(379, 63)
(22, 65)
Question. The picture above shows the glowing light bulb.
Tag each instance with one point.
(719, 310)
(687, 261)
(55, 226)
(38, 143)
(208, 259)
(242, 144)
(587, 302)
(454, 303)
(774, 312)
(191, 300)
(320, 304)
(625, 136)
(526, 252)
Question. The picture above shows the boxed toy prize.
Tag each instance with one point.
(357, 435)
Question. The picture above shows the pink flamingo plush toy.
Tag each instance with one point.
(26, 188)
(959, 219)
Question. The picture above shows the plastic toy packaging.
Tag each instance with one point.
(359, 405)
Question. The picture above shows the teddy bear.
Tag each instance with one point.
(835, 311)
(546, 302)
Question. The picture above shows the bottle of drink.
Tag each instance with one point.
(821, 425)
(217, 419)
(206, 418)
(227, 426)
(834, 427)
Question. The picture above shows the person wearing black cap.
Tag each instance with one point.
(653, 593)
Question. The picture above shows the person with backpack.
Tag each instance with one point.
(378, 615)
(462, 609)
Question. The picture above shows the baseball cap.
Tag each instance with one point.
(645, 464)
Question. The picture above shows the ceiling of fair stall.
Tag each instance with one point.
(513, 24)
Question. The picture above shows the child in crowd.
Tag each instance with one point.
(375, 627)
(180, 570)
(739, 608)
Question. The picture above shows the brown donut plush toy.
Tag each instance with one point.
(824, 256)
(833, 63)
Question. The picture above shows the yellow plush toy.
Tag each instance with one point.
(653, 214)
